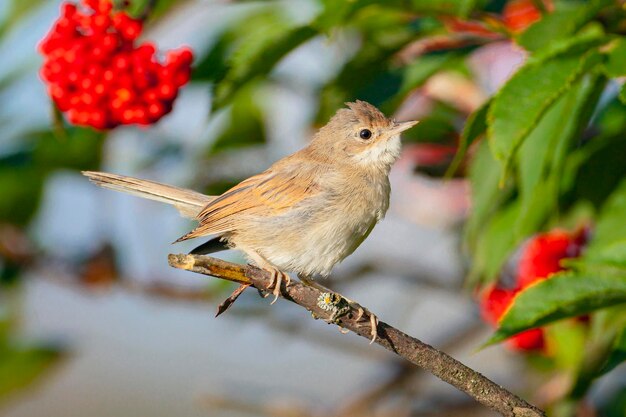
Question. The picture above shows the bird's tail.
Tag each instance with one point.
(189, 203)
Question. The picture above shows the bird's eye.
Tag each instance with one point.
(365, 134)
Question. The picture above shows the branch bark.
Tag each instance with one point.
(413, 350)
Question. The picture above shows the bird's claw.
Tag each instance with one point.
(277, 280)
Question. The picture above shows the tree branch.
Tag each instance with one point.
(413, 350)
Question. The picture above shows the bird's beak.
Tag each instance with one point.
(400, 127)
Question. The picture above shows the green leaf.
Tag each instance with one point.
(616, 63)
(614, 404)
(622, 93)
(541, 158)
(597, 168)
(568, 340)
(247, 67)
(565, 20)
(602, 348)
(486, 196)
(563, 295)
(337, 13)
(366, 68)
(495, 243)
(79, 149)
(611, 255)
(416, 73)
(19, 367)
(370, 73)
(259, 45)
(451, 7)
(530, 92)
(617, 354)
(213, 66)
(436, 127)
(246, 125)
(22, 186)
(610, 229)
(14, 12)
(475, 126)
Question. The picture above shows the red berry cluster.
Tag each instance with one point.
(540, 258)
(99, 77)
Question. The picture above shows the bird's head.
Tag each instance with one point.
(361, 135)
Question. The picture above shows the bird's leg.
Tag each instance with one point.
(332, 301)
(309, 282)
(277, 275)
(373, 321)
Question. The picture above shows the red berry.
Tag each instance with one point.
(92, 4)
(65, 26)
(120, 62)
(166, 91)
(117, 104)
(185, 56)
(128, 27)
(73, 76)
(109, 42)
(528, 340)
(457, 25)
(150, 95)
(108, 75)
(97, 119)
(145, 51)
(542, 256)
(87, 99)
(125, 80)
(166, 73)
(99, 89)
(72, 115)
(100, 22)
(156, 110)
(519, 14)
(124, 95)
(127, 116)
(181, 78)
(85, 83)
(141, 116)
(495, 302)
(68, 10)
(82, 117)
(94, 71)
(74, 101)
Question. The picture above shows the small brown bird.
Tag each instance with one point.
(308, 211)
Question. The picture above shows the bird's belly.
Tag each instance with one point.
(310, 242)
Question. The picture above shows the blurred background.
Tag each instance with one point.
(93, 322)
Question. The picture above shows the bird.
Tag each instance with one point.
(306, 212)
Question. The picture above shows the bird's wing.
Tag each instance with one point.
(268, 194)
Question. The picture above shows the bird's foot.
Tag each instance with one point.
(373, 320)
(277, 280)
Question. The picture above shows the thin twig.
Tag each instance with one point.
(415, 351)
